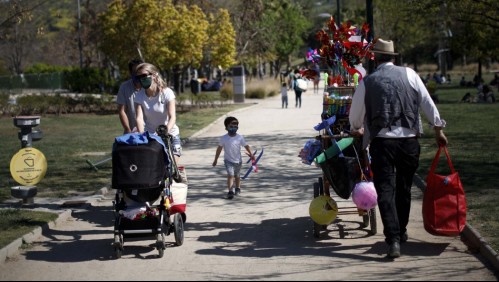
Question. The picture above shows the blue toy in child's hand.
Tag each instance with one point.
(254, 166)
(325, 123)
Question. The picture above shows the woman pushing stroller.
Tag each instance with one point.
(155, 105)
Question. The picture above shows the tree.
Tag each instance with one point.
(127, 33)
(172, 38)
(285, 27)
(15, 31)
(410, 31)
(473, 24)
(186, 43)
(222, 40)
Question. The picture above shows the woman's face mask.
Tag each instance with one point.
(146, 82)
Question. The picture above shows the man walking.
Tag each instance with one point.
(388, 117)
(126, 95)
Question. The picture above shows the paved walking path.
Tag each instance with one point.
(264, 234)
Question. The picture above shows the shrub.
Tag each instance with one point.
(44, 68)
(5, 107)
(272, 93)
(255, 93)
(227, 92)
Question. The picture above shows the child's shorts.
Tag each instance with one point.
(233, 169)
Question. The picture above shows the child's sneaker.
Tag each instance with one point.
(238, 191)
(230, 195)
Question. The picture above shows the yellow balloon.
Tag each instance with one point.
(28, 166)
(323, 210)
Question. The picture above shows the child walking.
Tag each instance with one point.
(231, 143)
(284, 95)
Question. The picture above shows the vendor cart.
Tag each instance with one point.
(343, 162)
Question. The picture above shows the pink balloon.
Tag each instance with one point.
(364, 195)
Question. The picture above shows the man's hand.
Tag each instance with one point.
(358, 132)
(440, 137)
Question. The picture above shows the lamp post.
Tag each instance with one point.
(370, 35)
(79, 36)
(338, 14)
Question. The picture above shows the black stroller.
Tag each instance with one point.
(143, 177)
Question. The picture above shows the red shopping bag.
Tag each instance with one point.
(444, 202)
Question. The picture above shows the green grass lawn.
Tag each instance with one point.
(473, 146)
(17, 222)
(69, 140)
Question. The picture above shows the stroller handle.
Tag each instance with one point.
(335, 136)
(162, 131)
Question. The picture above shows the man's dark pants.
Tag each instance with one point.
(394, 162)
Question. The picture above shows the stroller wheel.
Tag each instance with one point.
(118, 246)
(178, 224)
(117, 252)
(160, 244)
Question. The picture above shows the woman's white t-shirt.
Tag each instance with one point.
(155, 109)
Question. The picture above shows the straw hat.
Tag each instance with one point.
(384, 47)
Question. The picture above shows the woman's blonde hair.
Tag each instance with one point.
(152, 69)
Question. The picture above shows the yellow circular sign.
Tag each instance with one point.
(28, 166)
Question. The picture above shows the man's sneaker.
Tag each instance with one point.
(238, 191)
(230, 195)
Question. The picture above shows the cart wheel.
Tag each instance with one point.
(365, 219)
(316, 190)
(178, 224)
(321, 186)
(372, 218)
(317, 230)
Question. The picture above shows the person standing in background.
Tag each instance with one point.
(126, 96)
(284, 95)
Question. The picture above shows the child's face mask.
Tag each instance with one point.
(232, 130)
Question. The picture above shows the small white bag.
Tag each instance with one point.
(301, 84)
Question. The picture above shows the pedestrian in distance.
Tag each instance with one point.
(385, 110)
(155, 106)
(125, 98)
(231, 144)
(297, 89)
(284, 95)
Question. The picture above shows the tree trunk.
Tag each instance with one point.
(480, 68)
